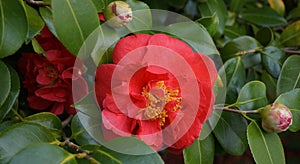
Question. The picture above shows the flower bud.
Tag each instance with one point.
(118, 14)
(276, 118)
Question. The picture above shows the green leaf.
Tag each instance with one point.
(295, 13)
(202, 43)
(211, 23)
(99, 4)
(235, 31)
(43, 153)
(35, 22)
(13, 26)
(291, 35)
(5, 82)
(235, 78)
(273, 58)
(74, 21)
(289, 77)
(252, 96)
(18, 136)
(266, 148)
(264, 16)
(236, 5)
(13, 93)
(208, 8)
(291, 100)
(236, 46)
(47, 16)
(270, 83)
(80, 134)
(264, 36)
(48, 120)
(278, 6)
(231, 133)
(177, 4)
(200, 151)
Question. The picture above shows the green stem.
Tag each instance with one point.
(18, 115)
(235, 110)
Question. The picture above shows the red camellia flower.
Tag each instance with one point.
(49, 79)
(155, 73)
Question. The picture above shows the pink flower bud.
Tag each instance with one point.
(276, 118)
(118, 14)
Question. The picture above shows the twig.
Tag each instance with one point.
(38, 3)
(82, 153)
(291, 50)
(66, 121)
(236, 111)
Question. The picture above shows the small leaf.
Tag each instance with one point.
(18, 136)
(43, 153)
(74, 21)
(99, 4)
(264, 16)
(201, 151)
(5, 82)
(266, 148)
(48, 120)
(295, 13)
(235, 78)
(211, 23)
(47, 16)
(289, 77)
(235, 31)
(291, 35)
(273, 58)
(231, 133)
(177, 4)
(278, 6)
(13, 26)
(291, 100)
(265, 36)
(270, 83)
(236, 5)
(13, 93)
(252, 96)
(35, 22)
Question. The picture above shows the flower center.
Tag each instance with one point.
(51, 72)
(157, 97)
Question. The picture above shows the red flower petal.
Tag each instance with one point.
(58, 108)
(38, 103)
(57, 94)
(129, 43)
(43, 78)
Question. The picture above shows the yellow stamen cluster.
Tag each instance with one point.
(157, 98)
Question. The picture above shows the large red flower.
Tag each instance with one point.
(149, 92)
(49, 79)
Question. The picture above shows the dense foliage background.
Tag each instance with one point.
(258, 41)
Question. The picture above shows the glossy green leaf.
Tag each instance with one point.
(142, 18)
(48, 120)
(20, 135)
(202, 43)
(177, 4)
(211, 23)
(235, 31)
(252, 96)
(270, 83)
(289, 77)
(35, 22)
(295, 13)
(5, 82)
(13, 26)
(264, 16)
(43, 153)
(236, 5)
(235, 78)
(47, 16)
(291, 35)
(278, 6)
(236, 47)
(200, 151)
(74, 21)
(291, 100)
(100, 154)
(273, 58)
(99, 4)
(264, 36)
(6, 124)
(13, 93)
(266, 148)
(80, 134)
(231, 133)
(208, 8)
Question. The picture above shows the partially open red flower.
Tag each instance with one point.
(158, 90)
(49, 79)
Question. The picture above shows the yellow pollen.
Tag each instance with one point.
(157, 98)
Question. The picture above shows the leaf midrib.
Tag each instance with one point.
(2, 24)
